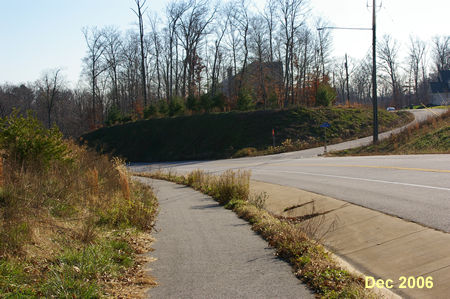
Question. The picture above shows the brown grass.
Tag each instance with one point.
(429, 137)
(311, 263)
(70, 205)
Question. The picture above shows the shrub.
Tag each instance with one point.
(206, 102)
(176, 106)
(219, 101)
(244, 101)
(163, 107)
(26, 141)
(192, 103)
(325, 95)
(150, 111)
(245, 152)
(113, 116)
(273, 100)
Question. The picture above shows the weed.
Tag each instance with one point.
(12, 237)
(58, 200)
(259, 200)
(310, 261)
(14, 281)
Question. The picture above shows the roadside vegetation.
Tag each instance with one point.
(311, 262)
(72, 223)
(429, 137)
(237, 134)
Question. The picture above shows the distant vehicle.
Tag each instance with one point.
(390, 108)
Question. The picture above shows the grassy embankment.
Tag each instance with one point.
(235, 134)
(71, 221)
(311, 263)
(430, 137)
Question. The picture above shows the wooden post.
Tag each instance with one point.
(1, 170)
(273, 137)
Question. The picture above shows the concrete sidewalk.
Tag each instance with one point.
(206, 251)
(374, 243)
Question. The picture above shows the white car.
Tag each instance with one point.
(390, 108)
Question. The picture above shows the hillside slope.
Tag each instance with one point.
(430, 137)
(212, 136)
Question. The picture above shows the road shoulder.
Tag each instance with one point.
(376, 244)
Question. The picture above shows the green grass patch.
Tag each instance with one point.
(429, 137)
(224, 135)
(14, 281)
(65, 212)
(311, 263)
(76, 272)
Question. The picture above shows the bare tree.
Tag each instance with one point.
(175, 10)
(290, 13)
(156, 40)
(131, 67)
(113, 47)
(269, 16)
(220, 30)
(323, 45)
(139, 12)
(192, 27)
(242, 19)
(93, 62)
(233, 37)
(388, 56)
(441, 52)
(259, 49)
(361, 79)
(49, 86)
(416, 57)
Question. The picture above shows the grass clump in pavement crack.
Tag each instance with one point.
(72, 223)
(311, 262)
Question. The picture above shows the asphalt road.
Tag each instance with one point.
(206, 251)
(412, 187)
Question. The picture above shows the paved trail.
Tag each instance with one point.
(206, 251)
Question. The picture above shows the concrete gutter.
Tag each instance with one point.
(373, 243)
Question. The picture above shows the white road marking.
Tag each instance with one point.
(352, 178)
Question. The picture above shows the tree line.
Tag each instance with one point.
(201, 57)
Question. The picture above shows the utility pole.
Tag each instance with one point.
(374, 75)
(346, 78)
(374, 67)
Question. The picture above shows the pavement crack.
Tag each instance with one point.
(298, 206)
(423, 274)
(302, 218)
(387, 241)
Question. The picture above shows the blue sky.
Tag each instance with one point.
(36, 35)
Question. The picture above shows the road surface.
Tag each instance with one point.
(412, 187)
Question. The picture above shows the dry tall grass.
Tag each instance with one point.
(63, 211)
(292, 241)
(89, 190)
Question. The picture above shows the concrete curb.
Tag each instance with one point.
(379, 245)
